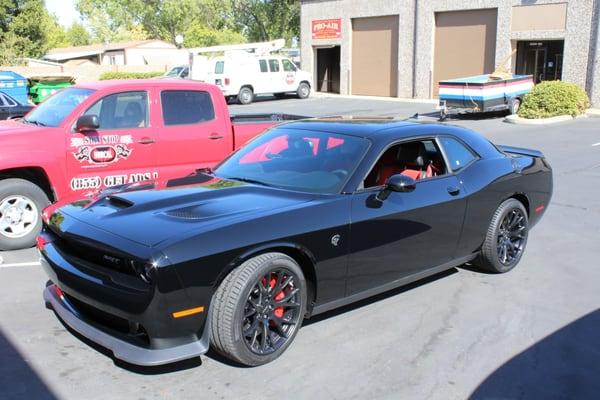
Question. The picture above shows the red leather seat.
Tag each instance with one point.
(410, 160)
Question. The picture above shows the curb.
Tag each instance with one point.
(515, 119)
(593, 113)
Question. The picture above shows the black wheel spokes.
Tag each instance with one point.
(271, 312)
(511, 237)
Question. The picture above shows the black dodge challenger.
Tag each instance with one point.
(309, 216)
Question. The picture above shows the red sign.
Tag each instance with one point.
(327, 29)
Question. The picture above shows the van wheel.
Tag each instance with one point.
(303, 90)
(258, 309)
(21, 204)
(246, 95)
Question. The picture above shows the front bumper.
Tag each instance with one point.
(122, 350)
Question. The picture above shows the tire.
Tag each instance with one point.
(237, 299)
(246, 95)
(514, 105)
(303, 90)
(21, 205)
(506, 238)
(279, 95)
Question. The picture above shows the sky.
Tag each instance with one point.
(64, 10)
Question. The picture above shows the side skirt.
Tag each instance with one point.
(391, 285)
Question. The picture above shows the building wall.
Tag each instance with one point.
(579, 37)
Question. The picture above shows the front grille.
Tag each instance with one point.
(80, 253)
(104, 320)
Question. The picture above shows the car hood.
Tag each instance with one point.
(150, 217)
(11, 127)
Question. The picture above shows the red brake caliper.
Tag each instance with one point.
(278, 312)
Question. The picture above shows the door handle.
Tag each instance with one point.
(453, 190)
(215, 136)
(146, 140)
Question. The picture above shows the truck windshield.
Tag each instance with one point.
(53, 111)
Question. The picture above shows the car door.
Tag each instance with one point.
(276, 77)
(123, 148)
(290, 71)
(407, 233)
(194, 134)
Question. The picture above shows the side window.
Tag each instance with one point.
(219, 67)
(9, 102)
(185, 107)
(274, 65)
(185, 73)
(458, 155)
(2, 103)
(263, 66)
(121, 111)
(420, 159)
(288, 66)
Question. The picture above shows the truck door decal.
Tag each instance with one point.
(101, 150)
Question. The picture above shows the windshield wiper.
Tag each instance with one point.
(248, 180)
(34, 122)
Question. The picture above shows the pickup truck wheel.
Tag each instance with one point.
(21, 204)
(245, 96)
(303, 90)
(506, 238)
(258, 309)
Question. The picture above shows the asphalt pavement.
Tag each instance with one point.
(530, 334)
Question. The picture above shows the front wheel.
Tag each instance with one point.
(506, 238)
(258, 309)
(21, 204)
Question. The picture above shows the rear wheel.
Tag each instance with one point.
(246, 95)
(506, 238)
(21, 204)
(258, 309)
(513, 107)
(303, 90)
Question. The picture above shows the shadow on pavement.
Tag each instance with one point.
(564, 365)
(17, 379)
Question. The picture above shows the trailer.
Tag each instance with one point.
(482, 93)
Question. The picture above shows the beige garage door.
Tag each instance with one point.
(375, 56)
(465, 44)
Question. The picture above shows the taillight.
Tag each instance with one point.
(226, 81)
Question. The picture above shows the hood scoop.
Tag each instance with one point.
(119, 202)
(205, 211)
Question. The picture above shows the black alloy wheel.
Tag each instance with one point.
(272, 311)
(505, 239)
(511, 237)
(258, 309)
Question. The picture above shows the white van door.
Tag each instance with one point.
(277, 81)
(290, 73)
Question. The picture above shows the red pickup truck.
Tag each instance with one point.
(90, 136)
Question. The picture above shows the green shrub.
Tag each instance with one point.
(552, 98)
(129, 75)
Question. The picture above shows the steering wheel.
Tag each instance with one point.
(340, 173)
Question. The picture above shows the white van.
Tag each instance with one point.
(245, 76)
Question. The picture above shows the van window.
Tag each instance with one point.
(185, 107)
(288, 66)
(263, 65)
(219, 67)
(274, 65)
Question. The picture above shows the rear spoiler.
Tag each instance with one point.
(266, 117)
(521, 151)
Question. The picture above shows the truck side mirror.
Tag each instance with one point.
(397, 183)
(87, 123)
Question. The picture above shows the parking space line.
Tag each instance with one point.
(25, 264)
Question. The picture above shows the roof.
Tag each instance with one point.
(65, 53)
(141, 83)
(355, 126)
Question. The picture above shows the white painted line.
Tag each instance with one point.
(596, 144)
(25, 264)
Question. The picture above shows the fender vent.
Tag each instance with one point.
(191, 213)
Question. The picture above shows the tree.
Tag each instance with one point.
(77, 35)
(198, 35)
(268, 19)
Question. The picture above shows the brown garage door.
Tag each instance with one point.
(465, 44)
(375, 56)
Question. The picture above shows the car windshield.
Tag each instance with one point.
(301, 160)
(55, 109)
(174, 73)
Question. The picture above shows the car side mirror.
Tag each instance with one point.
(397, 183)
(87, 123)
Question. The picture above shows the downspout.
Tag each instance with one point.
(415, 44)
